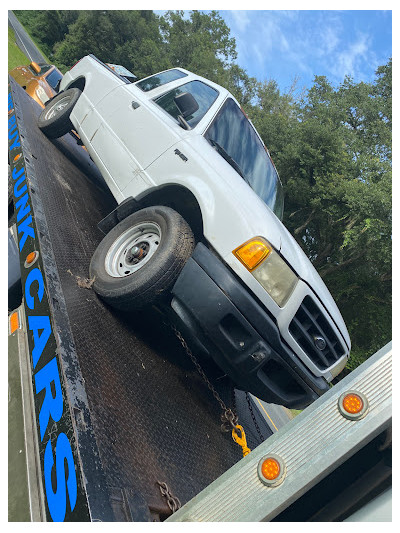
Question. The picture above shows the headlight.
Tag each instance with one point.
(269, 269)
(41, 94)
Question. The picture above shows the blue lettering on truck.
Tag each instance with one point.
(59, 470)
(57, 499)
(48, 379)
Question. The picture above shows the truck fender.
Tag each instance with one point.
(173, 195)
(123, 210)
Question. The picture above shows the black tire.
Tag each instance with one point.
(153, 280)
(54, 120)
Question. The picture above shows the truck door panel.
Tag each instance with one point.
(140, 127)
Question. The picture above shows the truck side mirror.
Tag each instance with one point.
(186, 103)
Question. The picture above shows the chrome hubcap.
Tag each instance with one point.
(57, 107)
(132, 249)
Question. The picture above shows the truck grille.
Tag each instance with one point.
(309, 323)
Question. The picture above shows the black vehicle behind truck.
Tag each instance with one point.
(117, 412)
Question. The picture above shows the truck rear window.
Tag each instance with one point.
(160, 79)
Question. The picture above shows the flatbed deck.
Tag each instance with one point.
(140, 413)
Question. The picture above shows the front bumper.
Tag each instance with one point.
(223, 319)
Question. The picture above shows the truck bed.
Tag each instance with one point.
(139, 410)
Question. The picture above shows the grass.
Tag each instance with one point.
(15, 56)
(295, 412)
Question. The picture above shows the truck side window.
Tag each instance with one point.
(236, 140)
(160, 79)
(204, 95)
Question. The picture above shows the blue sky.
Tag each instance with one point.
(284, 44)
(289, 44)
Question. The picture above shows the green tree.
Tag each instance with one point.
(131, 38)
(337, 169)
(201, 42)
(47, 27)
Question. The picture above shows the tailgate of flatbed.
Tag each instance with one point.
(139, 410)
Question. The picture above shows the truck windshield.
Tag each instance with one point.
(232, 135)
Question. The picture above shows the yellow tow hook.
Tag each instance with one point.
(240, 439)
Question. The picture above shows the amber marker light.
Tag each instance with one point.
(252, 252)
(14, 322)
(271, 470)
(17, 157)
(30, 259)
(353, 405)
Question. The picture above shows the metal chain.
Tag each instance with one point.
(233, 400)
(254, 417)
(173, 502)
(229, 418)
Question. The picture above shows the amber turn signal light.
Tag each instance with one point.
(252, 252)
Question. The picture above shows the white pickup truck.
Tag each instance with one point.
(198, 227)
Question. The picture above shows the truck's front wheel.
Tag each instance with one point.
(54, 120)
(139, 260)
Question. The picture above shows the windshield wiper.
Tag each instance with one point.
(227, 158)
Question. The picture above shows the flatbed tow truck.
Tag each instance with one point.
(117, 423)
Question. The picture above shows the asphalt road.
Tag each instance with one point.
(276, 416)
(23, 40)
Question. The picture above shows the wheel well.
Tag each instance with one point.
(79, 83)
(181, 200)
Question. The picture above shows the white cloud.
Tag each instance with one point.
(258, 54)
(270, 36)
(241, 19)
(270, 31)
(348, 62)
(330, 39)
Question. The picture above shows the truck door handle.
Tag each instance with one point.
(135, 105)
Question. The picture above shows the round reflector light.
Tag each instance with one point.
(353, 405)
(31, 259)
(271, 470)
